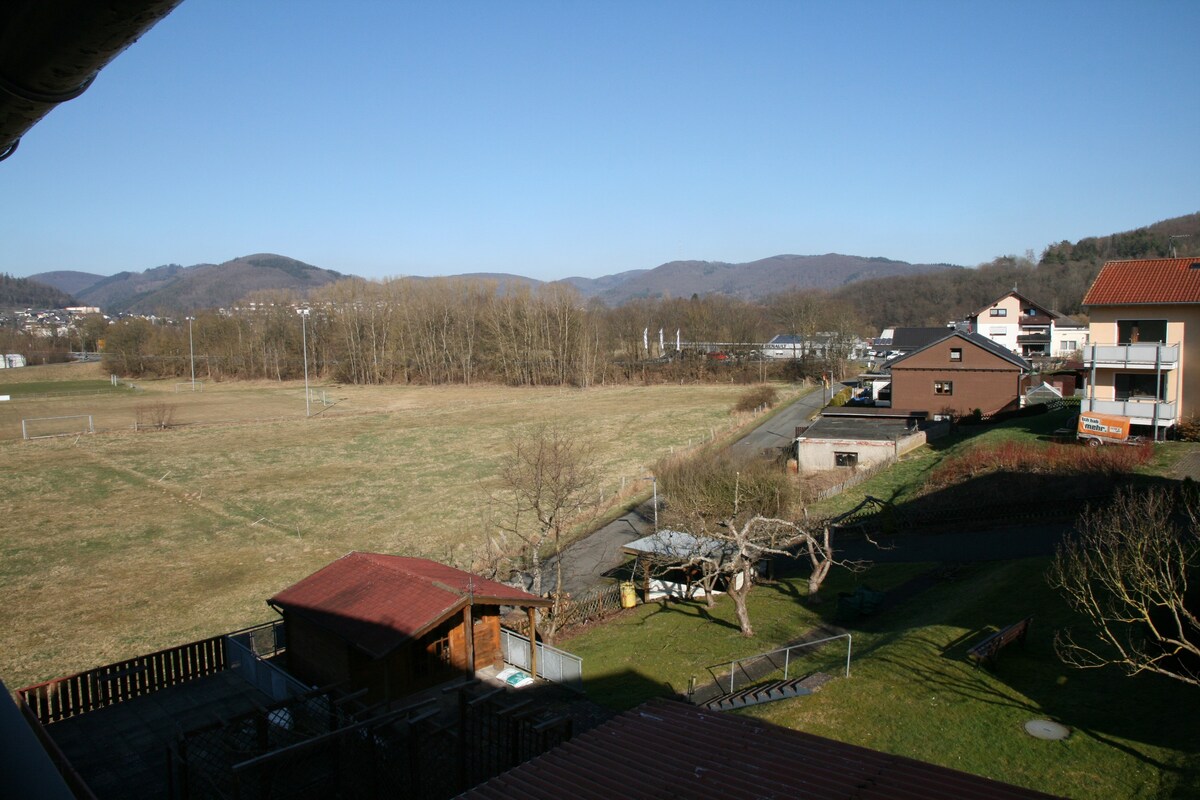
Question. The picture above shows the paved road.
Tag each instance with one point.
(780, 430)
(587, 560)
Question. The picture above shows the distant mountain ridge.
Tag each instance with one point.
(69, 281)
(174, 289)
(874, 286)
(752, 280)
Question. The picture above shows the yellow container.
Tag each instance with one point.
(628, 594)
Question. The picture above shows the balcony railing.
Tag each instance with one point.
(1139, 356)
(553, 664)
(1141, 412)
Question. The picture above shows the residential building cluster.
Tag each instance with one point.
(1129, 362)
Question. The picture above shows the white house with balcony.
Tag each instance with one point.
(1145, 331)
(1026, 328)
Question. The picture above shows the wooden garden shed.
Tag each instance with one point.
(393, 625)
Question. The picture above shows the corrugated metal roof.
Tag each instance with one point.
(379, 601)
(1146, 281)
(666, 748)
(678, 545)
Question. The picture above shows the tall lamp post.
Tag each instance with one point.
(304, 340)
(192, 352)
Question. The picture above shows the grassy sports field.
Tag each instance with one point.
(125, 542)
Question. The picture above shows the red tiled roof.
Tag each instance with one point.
(1146, 281)
(667, 748)
(379, 601)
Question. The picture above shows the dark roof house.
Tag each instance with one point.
(667, 748)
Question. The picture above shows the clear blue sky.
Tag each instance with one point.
(552, 139)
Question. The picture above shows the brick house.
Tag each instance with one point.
(957, 374)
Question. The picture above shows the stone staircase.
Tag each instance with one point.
(767, 692)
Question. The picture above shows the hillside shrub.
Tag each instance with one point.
(1188, 430)
(1033, 458)
(756, 397)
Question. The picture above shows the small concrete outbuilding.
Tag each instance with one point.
(858, 437)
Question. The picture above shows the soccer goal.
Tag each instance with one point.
(48, 427)
(189, 386)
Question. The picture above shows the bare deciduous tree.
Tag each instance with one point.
(550, 475)
(1127, 573)
(738, 511)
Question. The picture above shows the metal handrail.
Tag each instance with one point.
(787, 651)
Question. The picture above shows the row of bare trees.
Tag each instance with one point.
(454, 330)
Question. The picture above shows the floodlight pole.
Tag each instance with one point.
(192, 352)
(304, 339)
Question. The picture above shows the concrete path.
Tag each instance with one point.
(1188, 466)
(586, 560)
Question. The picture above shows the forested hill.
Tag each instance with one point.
(26, 293)
(1058, 279)
(172, 289)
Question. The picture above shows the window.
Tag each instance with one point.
(956, 354)
(1132, 386)
(845, 459)
(998, 312)
(1132, 331)
(943, 387)
(1069, 345)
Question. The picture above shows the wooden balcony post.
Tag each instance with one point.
(533, 641)
(469, 639)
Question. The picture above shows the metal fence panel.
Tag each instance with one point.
(553, 664)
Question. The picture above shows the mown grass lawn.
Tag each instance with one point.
(912, 690)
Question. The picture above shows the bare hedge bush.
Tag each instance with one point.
(757, 397)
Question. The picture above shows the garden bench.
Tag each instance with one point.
(985, 652)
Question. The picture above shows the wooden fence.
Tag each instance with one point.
(595, 603)
(100, 687)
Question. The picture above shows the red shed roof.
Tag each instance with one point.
(1146, 281)
(378, 601)
(667, 748)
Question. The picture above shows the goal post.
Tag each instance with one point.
(48, 427)
(192, 386)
